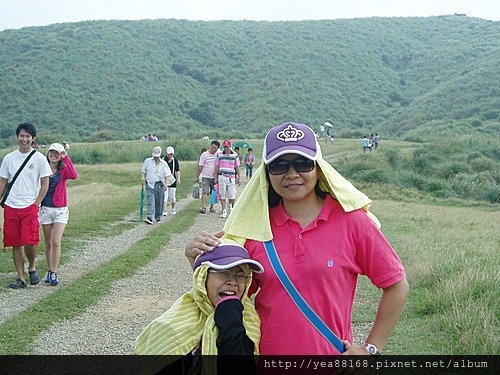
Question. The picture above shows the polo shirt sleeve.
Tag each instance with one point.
(377, 258)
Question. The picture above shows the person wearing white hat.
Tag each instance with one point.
(54, 211)
(173, 164)
(155, 172)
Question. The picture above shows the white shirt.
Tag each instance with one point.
(27, 185)
(155, 172)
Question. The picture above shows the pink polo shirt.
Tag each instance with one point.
(323, 261)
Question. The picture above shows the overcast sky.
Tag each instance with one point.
(15, 14)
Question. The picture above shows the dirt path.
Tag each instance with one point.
(111, 326)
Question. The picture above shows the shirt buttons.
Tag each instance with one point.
(300, 236)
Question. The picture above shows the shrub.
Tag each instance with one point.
(351, 134)
(377, 175)
(482, 163)
(409, 179)
(437, 186)
(449, 170)
(472, 185)
(393, 158)
(491, 194)
(420, 162)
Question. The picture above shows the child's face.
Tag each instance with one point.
(221, 283)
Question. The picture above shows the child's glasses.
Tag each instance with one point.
(227, 275)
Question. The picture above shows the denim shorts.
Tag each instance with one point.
(51, 215)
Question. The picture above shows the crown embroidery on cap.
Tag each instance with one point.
(290, 134)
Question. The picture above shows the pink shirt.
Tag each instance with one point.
(68, 172)
(207, 161)
(227, 164)
(323, 261)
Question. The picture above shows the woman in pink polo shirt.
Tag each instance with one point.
(324, 237)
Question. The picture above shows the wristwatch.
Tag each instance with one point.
(372, 349)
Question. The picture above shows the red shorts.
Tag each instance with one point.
(20, 226)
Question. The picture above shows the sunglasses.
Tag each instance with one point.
(300, 165)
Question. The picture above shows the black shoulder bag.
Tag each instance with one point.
(9, 185)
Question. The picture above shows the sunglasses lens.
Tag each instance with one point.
(303, 165)
(281, 166)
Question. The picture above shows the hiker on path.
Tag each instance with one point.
(54, 213)
(319, 227)
(156, 173)
(227, 168)
(249, 163)
(376, 141)
(175, 169)
(20, 225)
(206, 171)
(365, 143)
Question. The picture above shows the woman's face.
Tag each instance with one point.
(293, 185)
(54, 156)
(222, 283)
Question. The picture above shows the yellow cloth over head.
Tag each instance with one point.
(190, 321)
(249, 218)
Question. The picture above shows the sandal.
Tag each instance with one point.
(212, 210)
(203, 210)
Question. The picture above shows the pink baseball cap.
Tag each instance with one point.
(226, 143)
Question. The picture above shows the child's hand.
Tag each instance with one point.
(222, 299)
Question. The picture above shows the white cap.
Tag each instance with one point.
(56, 147)
(170, 150)
(156, 151)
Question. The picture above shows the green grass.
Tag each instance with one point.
(451, 259)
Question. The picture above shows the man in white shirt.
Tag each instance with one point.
(156, 173)
(21, 226)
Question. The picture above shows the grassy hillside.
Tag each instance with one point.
(405, 77)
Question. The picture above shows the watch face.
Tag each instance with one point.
(371, 349)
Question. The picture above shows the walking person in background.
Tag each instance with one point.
(155, 172)
(365, 143)
(54, 211)
(21, 228)
(206, 171)
(170, 197)
(249, 162)
(227, 167)
(376, 141)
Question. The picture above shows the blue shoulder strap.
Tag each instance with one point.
(301, 303)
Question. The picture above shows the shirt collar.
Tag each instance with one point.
(280, 216)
